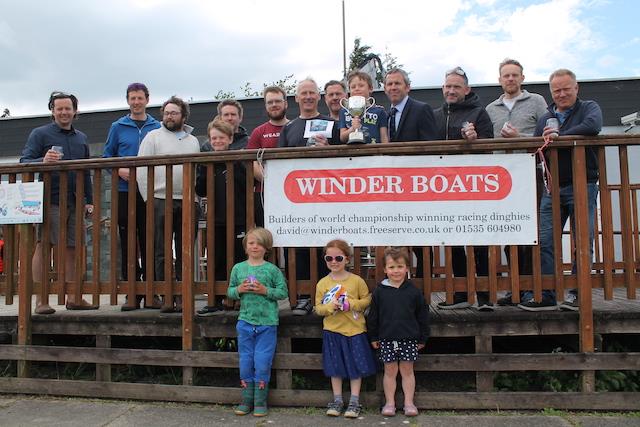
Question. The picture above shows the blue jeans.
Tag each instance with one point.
(546, 230)
(256, 348)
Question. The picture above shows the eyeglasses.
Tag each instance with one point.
(171, 113)
(459, 71)
(58, 94)
(329, 258)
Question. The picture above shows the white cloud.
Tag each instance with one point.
(196, 47)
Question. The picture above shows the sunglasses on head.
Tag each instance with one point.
(329, 258)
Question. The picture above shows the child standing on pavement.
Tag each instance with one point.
(258, 285)
(398, 326)
(342, 297)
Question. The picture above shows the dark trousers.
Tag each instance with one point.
(459, 261)
(140, 232)
(158, 238)
(220, 255)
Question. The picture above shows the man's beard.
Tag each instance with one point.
(173, 126)
(277, 116)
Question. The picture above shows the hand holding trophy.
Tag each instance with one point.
(357, 106)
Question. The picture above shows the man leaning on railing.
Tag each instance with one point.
(575, 117)
(50, 144)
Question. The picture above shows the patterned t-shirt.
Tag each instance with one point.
(374, 119)
(254, 308)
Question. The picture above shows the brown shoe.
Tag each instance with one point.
(82, 306)
(44, 309)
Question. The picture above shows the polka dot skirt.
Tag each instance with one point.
(401, 350)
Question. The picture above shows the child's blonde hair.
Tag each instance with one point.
(339, 244)
(262, 235)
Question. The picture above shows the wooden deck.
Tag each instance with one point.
(616, 316)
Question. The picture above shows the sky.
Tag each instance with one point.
(195, 48)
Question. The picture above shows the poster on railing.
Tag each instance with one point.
(479, 199)
(21, 203)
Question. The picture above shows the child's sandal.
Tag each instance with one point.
(410, 411)
(388, 411)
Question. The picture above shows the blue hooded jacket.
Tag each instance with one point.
(124, 140)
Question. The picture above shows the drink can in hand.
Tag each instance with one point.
(553, 123)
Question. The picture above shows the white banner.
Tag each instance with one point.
(21, 203)
(485, 199)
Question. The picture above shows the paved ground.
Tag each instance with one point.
(52, 412)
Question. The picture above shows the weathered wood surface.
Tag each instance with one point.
(313, 361)
(228, 395)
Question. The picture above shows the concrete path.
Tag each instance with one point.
(51, 412)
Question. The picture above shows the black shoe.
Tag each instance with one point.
(570, 303)
(546, 304)
(303, 307)
(506, 300)
(485, 306)
(457, 304)
(209, 310)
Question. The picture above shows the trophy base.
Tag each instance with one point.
(356, 138)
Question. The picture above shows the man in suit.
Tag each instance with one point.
(409, 120)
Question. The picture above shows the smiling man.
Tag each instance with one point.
(576, 117)
(125, 136)
(172, 138)
(231, 111)
(307, 97)
(334, 91)
(52, 143)
(516, 112)
(409, 119)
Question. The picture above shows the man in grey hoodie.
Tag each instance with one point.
(515, 114)
(172, 138)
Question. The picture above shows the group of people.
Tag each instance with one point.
(392, 323)
(462, 115)
(393, 320)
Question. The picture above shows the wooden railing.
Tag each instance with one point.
(617, 232)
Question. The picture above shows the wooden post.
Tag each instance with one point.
(188, 246)
(25, 284)
(113, 265)
(103, 371)
(284, 377)
(131, 243)
(484, 380)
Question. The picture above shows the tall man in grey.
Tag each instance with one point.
(515, 114)
(172, 138)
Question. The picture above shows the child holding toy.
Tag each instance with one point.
(342, 297)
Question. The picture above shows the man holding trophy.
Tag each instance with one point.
(361, 121)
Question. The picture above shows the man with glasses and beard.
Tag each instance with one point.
(266, 136)
(172, 138)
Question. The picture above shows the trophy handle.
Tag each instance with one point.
(370, 103)
(342, 105)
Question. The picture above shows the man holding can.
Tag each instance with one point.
(575, 117)
(515, 114)
(51, 144)
(462, 115)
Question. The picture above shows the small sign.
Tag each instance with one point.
(21, 203)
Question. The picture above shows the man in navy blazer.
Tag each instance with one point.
(409, 120)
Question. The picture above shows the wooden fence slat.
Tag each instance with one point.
(625, 221)
(113, 235)
(606, 218)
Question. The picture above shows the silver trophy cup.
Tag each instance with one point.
(357, 106)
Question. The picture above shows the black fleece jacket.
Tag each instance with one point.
(398, 313)
(450, 117)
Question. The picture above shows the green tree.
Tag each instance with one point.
(5, 113)
(288, 83)
(362, 52)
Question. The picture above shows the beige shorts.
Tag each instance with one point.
(53, 216)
